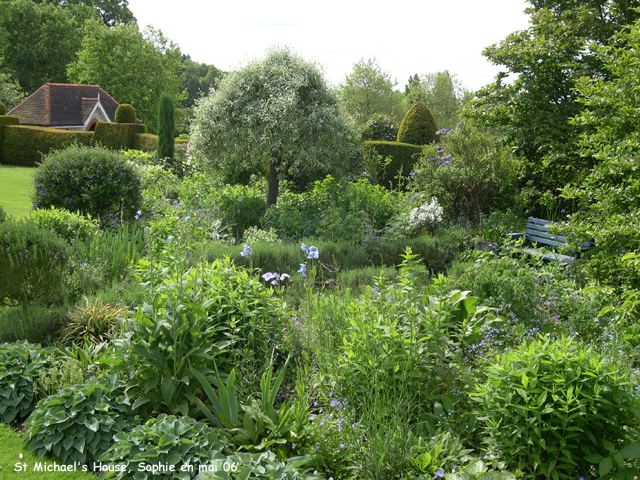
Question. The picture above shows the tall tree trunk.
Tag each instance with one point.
(274, 182)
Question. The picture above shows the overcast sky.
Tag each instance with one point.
(415, 36)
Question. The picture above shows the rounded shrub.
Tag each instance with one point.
(3, 109)
(33, 263)
(20, 366)
(125, 113)
(91, 181)
(418, 127)
(78, 423)
(548, 404)
(165, 441)
(380, 127)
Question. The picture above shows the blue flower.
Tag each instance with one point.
(303, 270)
(439, 473)
(246, 251)
(313, 252)
(304, 248)
(170, 238)
(186, 218)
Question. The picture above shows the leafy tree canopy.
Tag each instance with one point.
(368, 90)
(548, 59)
(10, 93)
(132, 66)
(276, 113)
(111, 12)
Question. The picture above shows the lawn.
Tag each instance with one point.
(15, 190)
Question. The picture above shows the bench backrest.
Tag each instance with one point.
(538, 231)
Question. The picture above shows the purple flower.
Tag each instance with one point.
(293, 446)
(439, 473)
(313, 252)
(246, 251)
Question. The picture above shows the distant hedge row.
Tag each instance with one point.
(25, 145)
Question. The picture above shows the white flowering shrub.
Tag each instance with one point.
(427, 216)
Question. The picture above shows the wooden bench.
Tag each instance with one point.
(537, 234)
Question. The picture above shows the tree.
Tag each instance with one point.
(37, 41)
(369, 90)
(111, 12)
(547, 59)
(131, 66)
(276, 113)
(166, 127)
(441, 92)
(10, 93)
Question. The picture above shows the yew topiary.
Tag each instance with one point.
(418, 126)
(3, 109)
(125, 113)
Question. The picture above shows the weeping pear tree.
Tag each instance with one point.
(276, 113)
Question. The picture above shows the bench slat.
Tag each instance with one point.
(544, 241)
(539, 221)
(557, 238)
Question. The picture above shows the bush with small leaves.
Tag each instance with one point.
(3, 109)
(380, 127)
(20, 366)
(68, 225)
(547, 404)
(125, 113)
(164, 442)
(418, 127)
(91, 181)
(78, 424)
(33, 262)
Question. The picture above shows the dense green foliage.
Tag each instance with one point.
(10, 93)
(276, 113)
(125, 113)
(166, 126)
(109, 55)
(546, 405)
(3, 109)
(164, 441)
(368, 91)
(20, 366)
(469, 172)
(91, 181)
(386, 163)
(116, 136)
(418, 127)
(380, 127)
(33, 263)
(78, 423)
(25, 146)
(68, 225)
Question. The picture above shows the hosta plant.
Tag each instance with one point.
(78, 424)
(20, 365)
(263, 466)
(182, 442)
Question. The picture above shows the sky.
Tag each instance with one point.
(414, 36)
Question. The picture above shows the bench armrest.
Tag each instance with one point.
(584, 246)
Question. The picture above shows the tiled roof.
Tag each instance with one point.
(62, 104)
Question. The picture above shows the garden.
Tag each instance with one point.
(301, 295)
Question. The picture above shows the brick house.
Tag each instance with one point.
(66, 106)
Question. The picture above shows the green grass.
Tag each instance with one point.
(11, 447)
(15, 190)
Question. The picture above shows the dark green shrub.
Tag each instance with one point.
(145, 142)
(166, 127)
(401, 159)
(125, 113)
(91, 181)
(25, 146)
(33, 263)
(3, 109)
(116, 136)
(3, 215)
(78, 424)
(380, 127)
(165, 441)
(418, 127)
(20, 366)
(68, 225)
(547, 404)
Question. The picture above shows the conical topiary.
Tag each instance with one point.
(125, 113)
(418, 126)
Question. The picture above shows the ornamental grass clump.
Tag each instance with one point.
(551, 408)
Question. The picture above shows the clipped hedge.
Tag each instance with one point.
(403, 156)
(147, 142)
(25, 145)
(116, 136)
(9, 120)
(418, 126)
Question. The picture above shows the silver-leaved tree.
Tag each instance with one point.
(276, 113)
